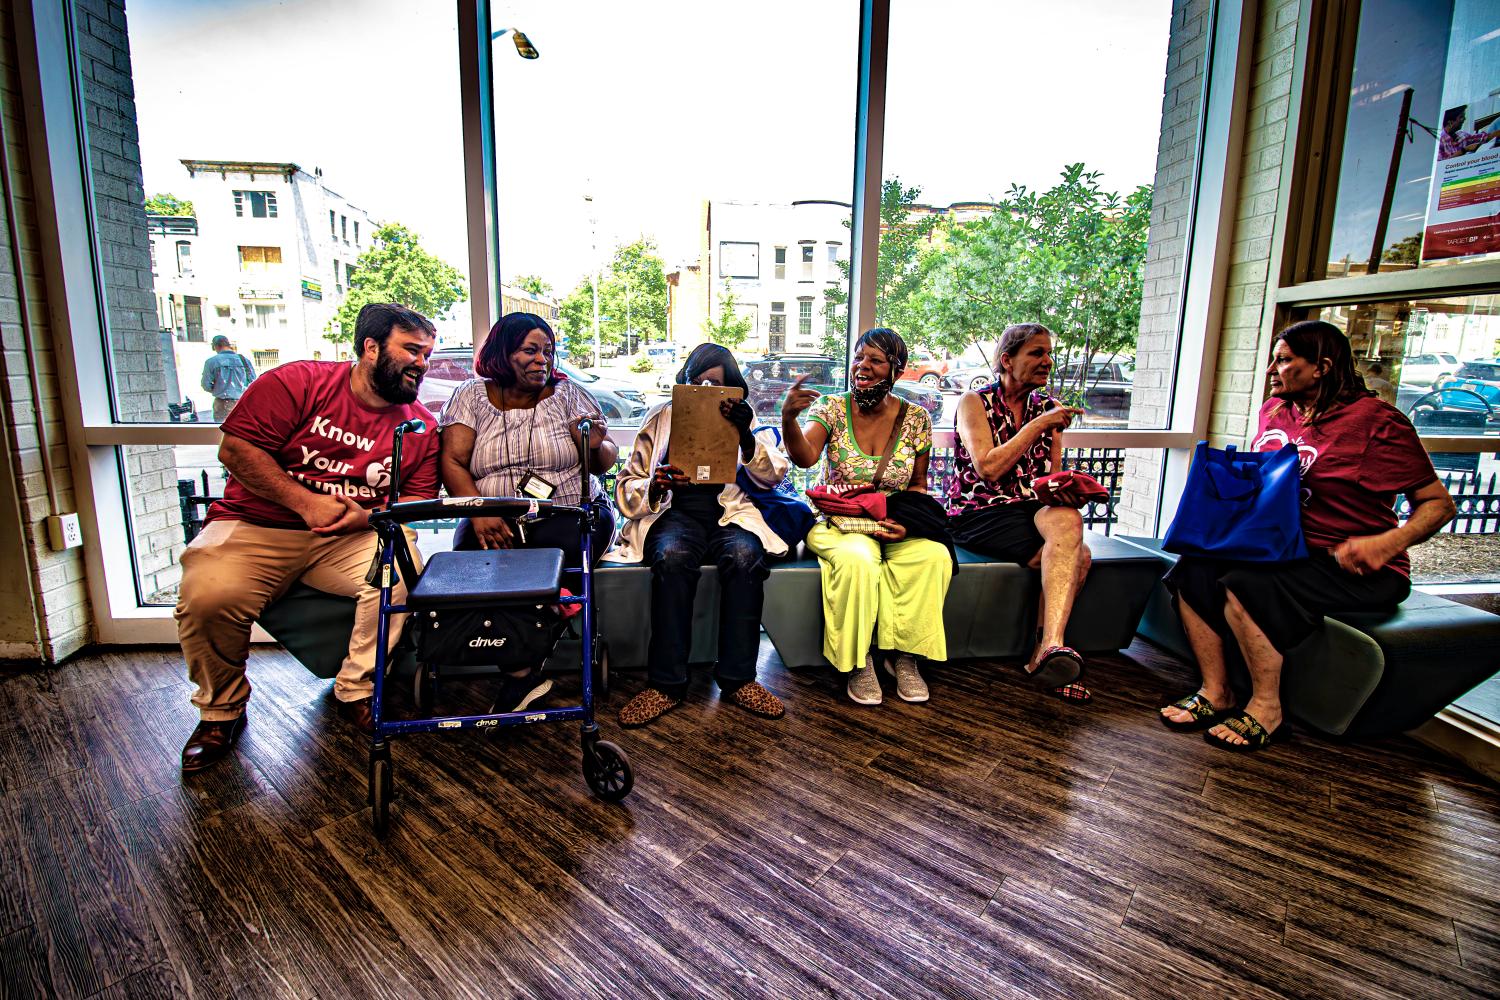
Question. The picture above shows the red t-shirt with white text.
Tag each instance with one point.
(306, 415)
(1354, 462)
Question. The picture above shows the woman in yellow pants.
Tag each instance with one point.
(882, 586)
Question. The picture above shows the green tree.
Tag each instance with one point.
(169, 204)
(575, 324)
(397, 269)
(533, 284)
(1407, 251)
(730, 329)
(633, 296)
(1069, 257)
(906, 251)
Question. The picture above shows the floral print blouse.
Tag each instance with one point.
(967, 491)
(845, 464)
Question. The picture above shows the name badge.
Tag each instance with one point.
(534, 486)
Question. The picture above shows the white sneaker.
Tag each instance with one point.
(864, 686)
(909, 683)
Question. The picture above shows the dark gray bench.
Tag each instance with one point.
(990, 611)
(1364, 674)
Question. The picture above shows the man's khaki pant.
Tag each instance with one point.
(232, 570)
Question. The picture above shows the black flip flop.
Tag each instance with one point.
(1249, 729)
(1204, 715)
(1058, 667)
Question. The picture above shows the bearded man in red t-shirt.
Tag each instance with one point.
(308, 451)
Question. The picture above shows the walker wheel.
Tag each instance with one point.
(380, 794)
(422, 685)
(607, 770)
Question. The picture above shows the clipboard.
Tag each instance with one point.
(704, 445)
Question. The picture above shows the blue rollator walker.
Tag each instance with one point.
(518, 589)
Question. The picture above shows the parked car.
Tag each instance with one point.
(1425, 369)
(968, 378)
(619, 401)
(1459, 407)
(1106, 387)
(922, 366)
(1477, 371)
(770, 377)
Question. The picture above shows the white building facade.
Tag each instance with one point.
(779, 260)
(266, 263)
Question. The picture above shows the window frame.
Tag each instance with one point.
(49, 71)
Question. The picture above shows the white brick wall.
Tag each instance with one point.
(1156, 346)
(140, 377)
(1237, 389)
(58, 577)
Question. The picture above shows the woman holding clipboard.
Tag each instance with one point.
(677, 526)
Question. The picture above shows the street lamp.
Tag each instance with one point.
(523, 44)
(594, 249)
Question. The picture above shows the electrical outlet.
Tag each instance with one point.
(64, 532)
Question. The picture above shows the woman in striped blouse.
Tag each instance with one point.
(513, 432)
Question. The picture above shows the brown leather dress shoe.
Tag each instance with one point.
(359, 714)
(211, 743)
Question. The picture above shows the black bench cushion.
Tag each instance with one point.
(453, 579)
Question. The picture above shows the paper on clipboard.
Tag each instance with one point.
(704, 445)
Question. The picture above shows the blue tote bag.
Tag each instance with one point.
(1244, 506)
(782, 508)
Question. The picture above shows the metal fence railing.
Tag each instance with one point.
(1477, 497)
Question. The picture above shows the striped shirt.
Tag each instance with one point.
(510, 443)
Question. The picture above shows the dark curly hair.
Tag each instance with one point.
(505, 338)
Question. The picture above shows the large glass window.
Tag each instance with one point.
(1438, 360)
(640, 191)
(1032, 199)
(260, 270)
(1421, 142)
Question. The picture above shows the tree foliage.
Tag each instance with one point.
(575, 324)
(170, 204)
(632, 304)
(905, 249)
(730, 329)
(1070, 257)
(533, 284)
(633, 295)
(396, 269)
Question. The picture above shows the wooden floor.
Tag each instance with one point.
(993, 843)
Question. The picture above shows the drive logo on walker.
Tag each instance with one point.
(306, 416)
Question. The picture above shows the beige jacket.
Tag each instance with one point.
(767, 467)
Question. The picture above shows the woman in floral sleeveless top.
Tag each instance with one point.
(1009, 434)
(884, 586)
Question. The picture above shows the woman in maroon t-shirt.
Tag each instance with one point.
(1357, 453)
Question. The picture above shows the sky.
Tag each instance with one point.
(651, 106)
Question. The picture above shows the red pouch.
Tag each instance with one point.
(1069, 489)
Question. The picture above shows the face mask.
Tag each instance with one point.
(869, 397)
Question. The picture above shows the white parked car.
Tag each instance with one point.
(1424, 369)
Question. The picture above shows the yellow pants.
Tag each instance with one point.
(900, 586)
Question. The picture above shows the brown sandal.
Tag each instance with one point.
(756, 700)
(647, 706)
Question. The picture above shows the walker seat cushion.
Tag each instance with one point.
(454, 579)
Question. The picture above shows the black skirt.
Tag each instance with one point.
(1287, 600)
(1001, 531)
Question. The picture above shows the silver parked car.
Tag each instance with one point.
(621, 402)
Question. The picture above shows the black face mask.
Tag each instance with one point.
(870, 396)
(390, 382)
